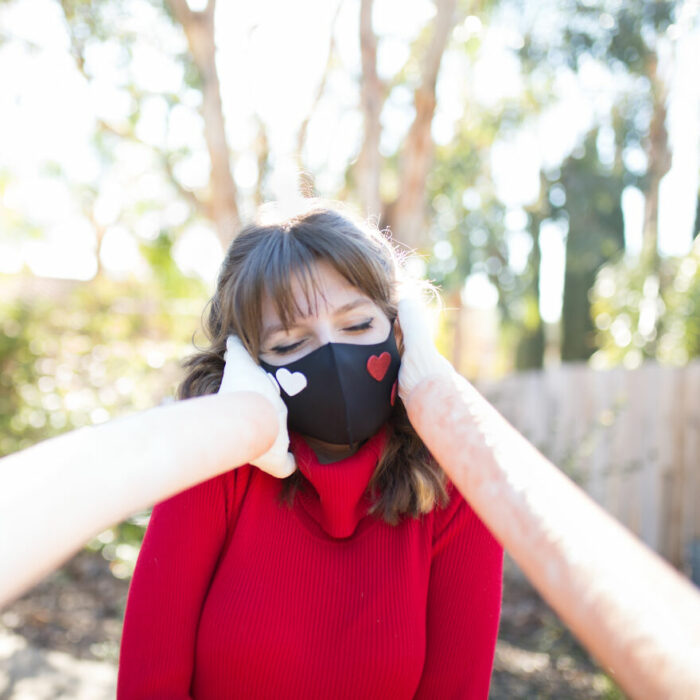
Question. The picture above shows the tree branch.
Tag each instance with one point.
(181, 11)
(78, 55)
(165, 159)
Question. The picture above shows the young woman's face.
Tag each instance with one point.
(342, 314)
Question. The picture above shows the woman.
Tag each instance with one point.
(362, 574)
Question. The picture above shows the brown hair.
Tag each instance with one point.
(260, 262)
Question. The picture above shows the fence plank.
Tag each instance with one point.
(691, 486)
(631, 438)
(673, 454)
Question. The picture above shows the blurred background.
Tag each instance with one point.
(542, 157)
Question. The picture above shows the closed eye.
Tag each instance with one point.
(360, 326)
(285, 349)
(281, 349)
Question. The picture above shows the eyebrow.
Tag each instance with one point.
(339, 310)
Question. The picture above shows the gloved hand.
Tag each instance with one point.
(420, 358)
(241, 373)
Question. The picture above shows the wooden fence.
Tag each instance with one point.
(630, 438)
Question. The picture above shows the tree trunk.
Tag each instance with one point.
(373, 94)
(595, 237)
(408, 211)
(199, 30)
(658, 164)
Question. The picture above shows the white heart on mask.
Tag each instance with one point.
(291, 382)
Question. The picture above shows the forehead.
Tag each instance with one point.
(321, 291)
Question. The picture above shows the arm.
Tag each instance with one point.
(632, 611)
(56, 495)
(172, 575)
(464, 603)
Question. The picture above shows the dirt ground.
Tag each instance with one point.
(61, 640)
(536, 655)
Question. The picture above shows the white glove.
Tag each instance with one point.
(420, 358)
(241, 373)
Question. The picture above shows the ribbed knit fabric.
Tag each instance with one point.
(237, 596)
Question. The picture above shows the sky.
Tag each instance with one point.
(47, 111)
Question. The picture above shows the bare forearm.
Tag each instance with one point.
(634, 612)
(56, 495)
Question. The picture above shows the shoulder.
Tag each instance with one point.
(221, 493)
(458, 521)
(456, 507)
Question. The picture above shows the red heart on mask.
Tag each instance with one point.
(377, 366)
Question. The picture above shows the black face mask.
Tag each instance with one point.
(340, 393)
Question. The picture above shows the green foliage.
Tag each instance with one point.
(623, 37)
(682, 327)
(91, 351)
(20, 425)
(466, 214)
(623, 32)
(529, 348)
(158, 253)
(608, 30)
(596, 235)
(641, 313)
(120, 544)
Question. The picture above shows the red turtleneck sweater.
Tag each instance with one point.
(237, 596)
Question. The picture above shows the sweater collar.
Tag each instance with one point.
(338, 501)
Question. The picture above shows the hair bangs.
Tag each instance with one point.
(279, 285)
